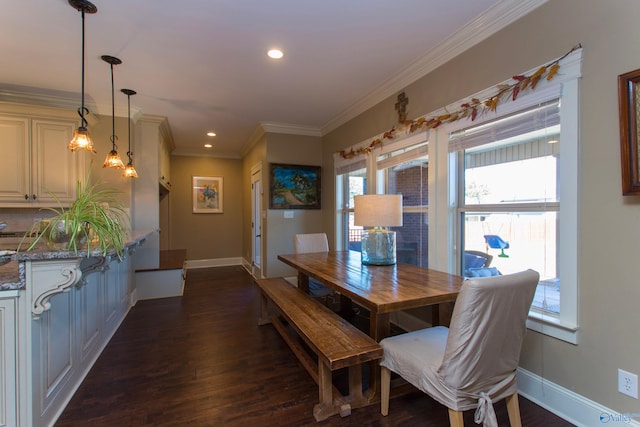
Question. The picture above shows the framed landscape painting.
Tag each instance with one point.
(294, 187)
(207, 194)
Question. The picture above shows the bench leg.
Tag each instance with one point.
(264, 310)
(325, 408)
(355, 384)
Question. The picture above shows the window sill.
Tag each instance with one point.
(552, 326)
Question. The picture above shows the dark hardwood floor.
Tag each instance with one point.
(202, 360)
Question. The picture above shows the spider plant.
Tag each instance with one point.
(96, 218)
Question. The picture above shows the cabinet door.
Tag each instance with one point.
(8, 365)
(14, 161)
(55, 168)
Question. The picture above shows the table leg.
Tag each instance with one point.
(303, 282)
(435, 315)
(346, 306)
(379, 328)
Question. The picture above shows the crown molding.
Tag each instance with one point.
(291, 129)
(66, 102)
(490, 22)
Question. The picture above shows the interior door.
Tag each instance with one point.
(256, 222)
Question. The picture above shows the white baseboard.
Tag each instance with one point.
(217, 262)
(133, 298)
(569, 405)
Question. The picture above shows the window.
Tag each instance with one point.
(351, 181)
(509, 199)
(405, 171)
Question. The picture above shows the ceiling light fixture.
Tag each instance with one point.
(208, 145)
(275, 54)
(113, 159)
(212, 134)
(129, 170)
(81, 138)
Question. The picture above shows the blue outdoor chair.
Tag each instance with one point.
(495, 242)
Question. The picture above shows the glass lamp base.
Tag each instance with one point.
(378, 247)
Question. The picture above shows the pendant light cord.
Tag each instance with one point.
(113, 113)
(82, 110)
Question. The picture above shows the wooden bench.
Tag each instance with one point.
(337, 344)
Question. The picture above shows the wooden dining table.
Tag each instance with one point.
(380, 289)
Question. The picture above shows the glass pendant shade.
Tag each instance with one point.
(113, 160)
(130, 171)
(81, 140)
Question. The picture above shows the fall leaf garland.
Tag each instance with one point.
(470, 109)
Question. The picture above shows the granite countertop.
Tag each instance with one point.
(12, 274)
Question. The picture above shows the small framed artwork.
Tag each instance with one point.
(629, 113)
(294, 187)
(207, 194)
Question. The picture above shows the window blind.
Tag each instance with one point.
(542, 116)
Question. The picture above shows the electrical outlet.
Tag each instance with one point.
(628, 383)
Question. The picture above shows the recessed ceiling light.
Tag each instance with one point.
(208, 145)
(275, 53)
(211, 134)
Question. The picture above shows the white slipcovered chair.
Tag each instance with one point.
(473, 362)
(313, 242)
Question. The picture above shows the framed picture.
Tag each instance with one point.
(207, 194)
(629, 112)
(294, 187)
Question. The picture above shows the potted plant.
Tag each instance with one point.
(95, 219)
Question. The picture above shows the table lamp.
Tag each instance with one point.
(378, 245)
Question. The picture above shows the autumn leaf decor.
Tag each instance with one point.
(473, 108)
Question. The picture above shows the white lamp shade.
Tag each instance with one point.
(378, 210)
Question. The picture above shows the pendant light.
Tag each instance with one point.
(113, 159)
(129, 170)
(81, 138)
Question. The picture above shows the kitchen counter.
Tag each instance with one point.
(12, 274)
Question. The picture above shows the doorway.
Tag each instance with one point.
(256, 221)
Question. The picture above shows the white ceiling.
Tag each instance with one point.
(202, 63)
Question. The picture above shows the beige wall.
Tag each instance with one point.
(277, 231)
(206, 236)
(609, 229)
(299, 150)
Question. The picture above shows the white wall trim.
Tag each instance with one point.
(571, 406)
(217, 262)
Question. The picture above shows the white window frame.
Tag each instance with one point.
(565, 325)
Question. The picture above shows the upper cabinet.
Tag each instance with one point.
(36, 168)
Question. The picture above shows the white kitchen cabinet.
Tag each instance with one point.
(8, 362)
(36, 168)
(68, 330)
(15, 169)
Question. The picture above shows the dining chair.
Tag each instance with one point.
(313, 242)
(473, 362)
